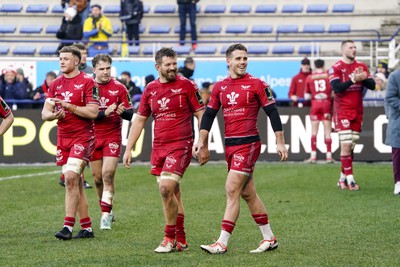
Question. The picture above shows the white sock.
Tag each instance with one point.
(313, 154)
(342, 177)
(224, 238)
(105, 215)
(70, 228)
(266, 232)
(107, 197)
(350, 178)
(328, 155)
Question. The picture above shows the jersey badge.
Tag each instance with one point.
(268, 93)
(103, 102)
(95, 93)
(199, 99)
(4, 105)
(232, 98)
(67, 96)
(163, 103)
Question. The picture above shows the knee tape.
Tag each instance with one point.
(345, 136)
(74, 164)
(170, 176)
(355, 136)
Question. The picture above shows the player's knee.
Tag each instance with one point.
(346, 137)
(108, 177)
(75, 165)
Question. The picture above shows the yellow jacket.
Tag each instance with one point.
(97, 30)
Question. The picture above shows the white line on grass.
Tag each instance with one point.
(27, 175)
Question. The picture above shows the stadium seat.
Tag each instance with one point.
(265, 8)
(257, 49)
(111, 9)
(115, 28)
(11, 8)
(339, 28)
(205, 50)
(165, 9)
(57, 9)
(215, 9)
(287, 28)
(283, 49)
(292, 8)
(223, 49)
(182, 50)
(52, 29)
(4, 49)
(37, 8)
(47, 50)
(142, 28)
(24, 50)
(30, 29)
(240, 9)
(133, 50)
(210, 29)
(159, 29)
(146, 9)
(177, 28)
(237, 29)
(343, 8)
(8, 28)
(314, 28)
(261, 29)
(308, 49)
(149, 50)
(317, 8)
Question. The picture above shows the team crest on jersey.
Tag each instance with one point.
(78, 149)
(163, 103)
(113, 147)
(268, 92)
(176, 91)
(103, 102)
(4, 105)
(67, 96)
(78, 86)
(113, 93)
(199, 99)
(95, 93)
(245, 87)
(232, 98)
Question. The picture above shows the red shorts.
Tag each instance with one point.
(243, 158)
(79, 148)
(106, 148)
(173, 160)
(321, 110)
(348, 121)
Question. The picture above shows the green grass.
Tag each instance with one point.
(316, 224)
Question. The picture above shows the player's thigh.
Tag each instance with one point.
(96, 168)
(235, 182)
(110, 165)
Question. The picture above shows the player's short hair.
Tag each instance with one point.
(71, 49)
(188, 60)
(234, 47)
(164, 52)
(127, 73)
(80, 46)
(101, 57)
(345, 42)
(52, 74)
(319, 63)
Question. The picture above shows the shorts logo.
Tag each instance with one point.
(345, 123)
(232, 98)
(170, 160)
(238, 158)
(113, 147)
(237, 164)
(78, 149)
(59, 156)
(168, 166)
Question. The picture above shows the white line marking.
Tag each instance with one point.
(28, 175)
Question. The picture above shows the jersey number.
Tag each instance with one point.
(320, 85)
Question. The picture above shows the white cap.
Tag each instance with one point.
(71, 12)
(381, 76)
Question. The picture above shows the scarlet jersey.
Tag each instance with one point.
(171, 105)
(80, 91)
(4, 109)
(317, 84)
(241, 100)
(349, 100)
(110, 93)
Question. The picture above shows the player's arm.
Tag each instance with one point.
(90, 111)
(134, 134)
(392, 94)
(48, 113)
(6, 123)
(276, 123)
(369, 83)
(339, 87)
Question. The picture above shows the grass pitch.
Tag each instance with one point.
(315, 223)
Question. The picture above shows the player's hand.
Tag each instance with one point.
(282, 151)
(110, 109)
(294, 98)
(126, 160)
(59, 114)
(59, 103)
(201, 153)
(120, 109)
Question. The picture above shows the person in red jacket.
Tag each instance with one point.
(298, 84)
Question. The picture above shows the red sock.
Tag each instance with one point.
(105, 207)
(83, 176)
(62, 178)
(347, 165)
(180, 228)
(86, 223)
(228, 226)
(260, 219)
(169, 231)
(69, 221)
(328, 143)
(313, 143)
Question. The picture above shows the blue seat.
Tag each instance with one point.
(47, 50)
(223, 49)
(165, 9)
(177, 29)
(308, 49)
(317, 8)
(237, 29)
(343, 8)
(132, 50)
(265, 8)
(182, 50)
(8, 28)
(339, 28)
(210, 29)
(215, 9)
(4, 49)
(261, 29)
(37, 8)
(57, 9)
(283, 49)
(240, 9)
(24, 50)
(314, 28)
(115, 28)
(257, 49)
(146, 9)
(142, 28)
(52, 29)
(112, 9)
(149, 50)
(30, 29)
(159, 29)
(205, 50)
(292, 8)
(11, 8)
(287, 28)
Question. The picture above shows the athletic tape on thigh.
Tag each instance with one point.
(346, 136)
(244, 173)
(73, 164)
(158, 179)
(170, 176)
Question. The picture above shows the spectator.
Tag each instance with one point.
(378, 93)
(71, 28)
(98, 29)
(187, 70)
(187, 7)
(83, 66)
(11, 88)
(20, 77)
(82, 6)
(130, 85)
(40, 93)
(131, 14)
(148, 79)
(298, 84)
(383, 68)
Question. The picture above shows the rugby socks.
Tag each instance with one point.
(69, 223)
(180, 229)
(328, 143)
(86, 224)
(169, 231)
(347, 166)
(313, 143)
(263, 223)
(106, 203)
(226, 232)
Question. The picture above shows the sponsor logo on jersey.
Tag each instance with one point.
(232, 98)
(223, 88)
(113, 147)
(67, 95)
(176, 91)
(103, 102)
(153, 93)
(78, 86)
(58, 87)
(113, 93)
(268, 92)
(245, 87)
(78, 149)
(163, 103)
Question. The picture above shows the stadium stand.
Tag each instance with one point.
(4, 49)
(308, 49)
(206, 50)
(30, 29)
(317, 8)
(287, 28)
(57, 9)
(177, 28)
(261, 29)
(265, 9)
(182, 50)
(52, 29)
(115, 28)
(48, 50)
(11, 8)
(165, 9)
(215, 9)
(339, 28)
(8, 28)
(313, 28)
(347, 8)
(210, 29)
(111, 9)
(292, 8)
(257, 49)
(24, 50)
(236, 29)
(37, 8)
(159, 29)
(240, 9)
(283, 49)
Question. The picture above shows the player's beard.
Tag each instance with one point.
(169, 75)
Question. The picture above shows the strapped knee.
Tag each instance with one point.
(75, 165)
(346, 136)
(170, 176)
